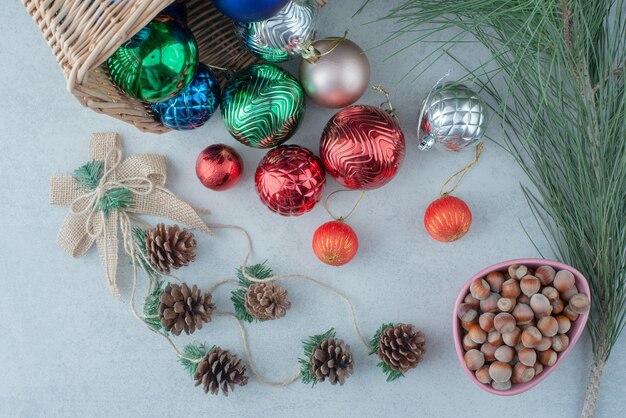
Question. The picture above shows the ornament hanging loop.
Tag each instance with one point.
(312, 55)
(462, 172)
(387, 106)
(342, 218)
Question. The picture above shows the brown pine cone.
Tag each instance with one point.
(401, 347)
(170, 247)
(266, 300)
(331, 359)
(220, 370)
(183, 309)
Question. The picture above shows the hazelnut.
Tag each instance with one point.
(482, 375)
(527, 356)
(538, 368)
(467, 325)
(500, 372)
(506, 304)
(563, 280)
(495, 280)
(486, 321)
(544, 344)
(504, 322)
(468, 343)
(567, 295)
(466, 312)
(547, 358)
(557, 306)
(545, 274)
(579, 303)
(529, 285)
(531, 337)
(548, 326)
(480, 289)
(564, 324)
(523, 314)
(512, 338)
(474, 359)
(501, 385)
(560, 342)
(517, 271)
(540, 305)
(476, 333)
(523, 299)
(495, 338)
(510, 289)
(504, 353)
(551, 293)
(489, 351)
(490, 304)
(522, 373)
(472, 301)
(571, 315)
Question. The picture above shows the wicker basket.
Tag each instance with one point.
(84, 33)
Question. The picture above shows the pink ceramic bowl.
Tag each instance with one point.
(574, 333)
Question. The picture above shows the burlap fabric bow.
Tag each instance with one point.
(143, 176)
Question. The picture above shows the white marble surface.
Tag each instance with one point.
(69, 349)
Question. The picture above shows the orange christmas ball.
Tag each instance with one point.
(335, 243)
(447, 219)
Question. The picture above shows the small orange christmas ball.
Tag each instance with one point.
(447, 219)
(335, 243)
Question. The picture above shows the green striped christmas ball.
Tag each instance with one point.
(262, 106)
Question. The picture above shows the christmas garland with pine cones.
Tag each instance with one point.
(99, 199)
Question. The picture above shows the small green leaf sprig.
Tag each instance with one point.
(89, 176)
(194, 351)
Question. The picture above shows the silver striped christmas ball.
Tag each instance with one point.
(280, 37)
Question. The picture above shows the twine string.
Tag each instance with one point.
(342, 218)
(462, 172)
(312, 55)
(246, 349)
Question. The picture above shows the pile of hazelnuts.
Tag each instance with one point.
(516, 322)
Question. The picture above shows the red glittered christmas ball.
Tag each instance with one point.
(335, 243)
(362, 147)
(447, 219)
(290, 180)
(219, 167)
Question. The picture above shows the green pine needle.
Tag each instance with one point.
(238, 297)
(115, 199)
(194, 351)
(88, 175)
(139, 235)
(305, 363)
(151, 307)
(391, 374)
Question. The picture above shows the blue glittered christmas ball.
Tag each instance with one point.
(249, 10)
(194, 105)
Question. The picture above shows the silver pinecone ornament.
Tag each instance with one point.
(453, 117)
(281, 37)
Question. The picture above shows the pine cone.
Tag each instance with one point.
(220, 370)
(331, 358)
(170, 247)
(401, 347)
(266, 300)
(183, 309)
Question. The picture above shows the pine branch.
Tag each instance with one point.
(258, 271)
(151, 307)
(305, 363)
(238, 297)
(139, 235)
(194, 351)
(115, 199)
(88, 175)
